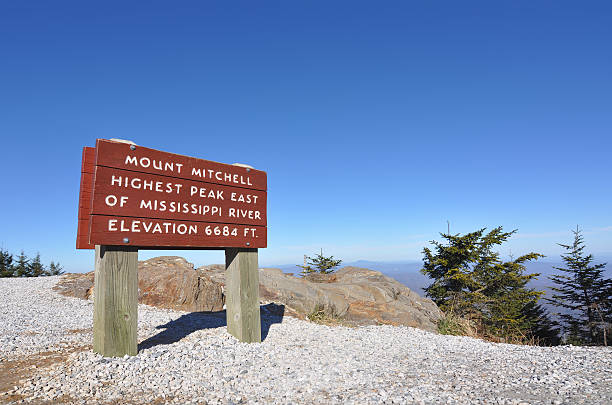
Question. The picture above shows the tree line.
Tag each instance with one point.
(483, 295)
(23, 266)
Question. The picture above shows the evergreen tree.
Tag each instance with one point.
(585, 293)
(320, 264)
(22, 266)
(55, 269)
(470, 281)
(606, 311)
(36, 268)
(544, 329)
(6, 264)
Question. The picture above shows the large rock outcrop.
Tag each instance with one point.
(356, 295)
(166, 282)
(361, 296)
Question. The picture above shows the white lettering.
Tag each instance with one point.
(115, 179)
(131, 160)
(248, 198)
(156, 164)
(110, 200)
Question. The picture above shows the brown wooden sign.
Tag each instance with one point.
(85, 198)
(121, 156)
(136, 196)
(169, 233)
(126, 193)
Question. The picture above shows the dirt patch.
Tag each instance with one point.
(77, 331)
(13, 371)
(76, 285)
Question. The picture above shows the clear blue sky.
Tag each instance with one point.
(376, 121)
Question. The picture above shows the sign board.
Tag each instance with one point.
(85, 196)
(135, 196)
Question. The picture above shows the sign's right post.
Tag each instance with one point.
(242, 294)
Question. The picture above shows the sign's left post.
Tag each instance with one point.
(115, 323)
(115, 326)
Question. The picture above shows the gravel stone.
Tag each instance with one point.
(190, 358)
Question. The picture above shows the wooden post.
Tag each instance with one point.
(242, 294)
(115, 325)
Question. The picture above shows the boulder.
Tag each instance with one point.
(171, 282)
(355, 295)
(166, 282)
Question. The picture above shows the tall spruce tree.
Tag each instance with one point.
(22, 266)
(471, 281)
(55, 269)
(606, 312)
(544, 329)
(585, 293)
(6, 264)
(37, 269)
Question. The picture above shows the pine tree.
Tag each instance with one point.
(470, 281)
(320, 264)
(36, 268)
(585, 293)
(55, 269)
(543, 328)
(6, 264)
(606, 311)
(22, 266)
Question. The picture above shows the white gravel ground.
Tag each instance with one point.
(192, 359)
